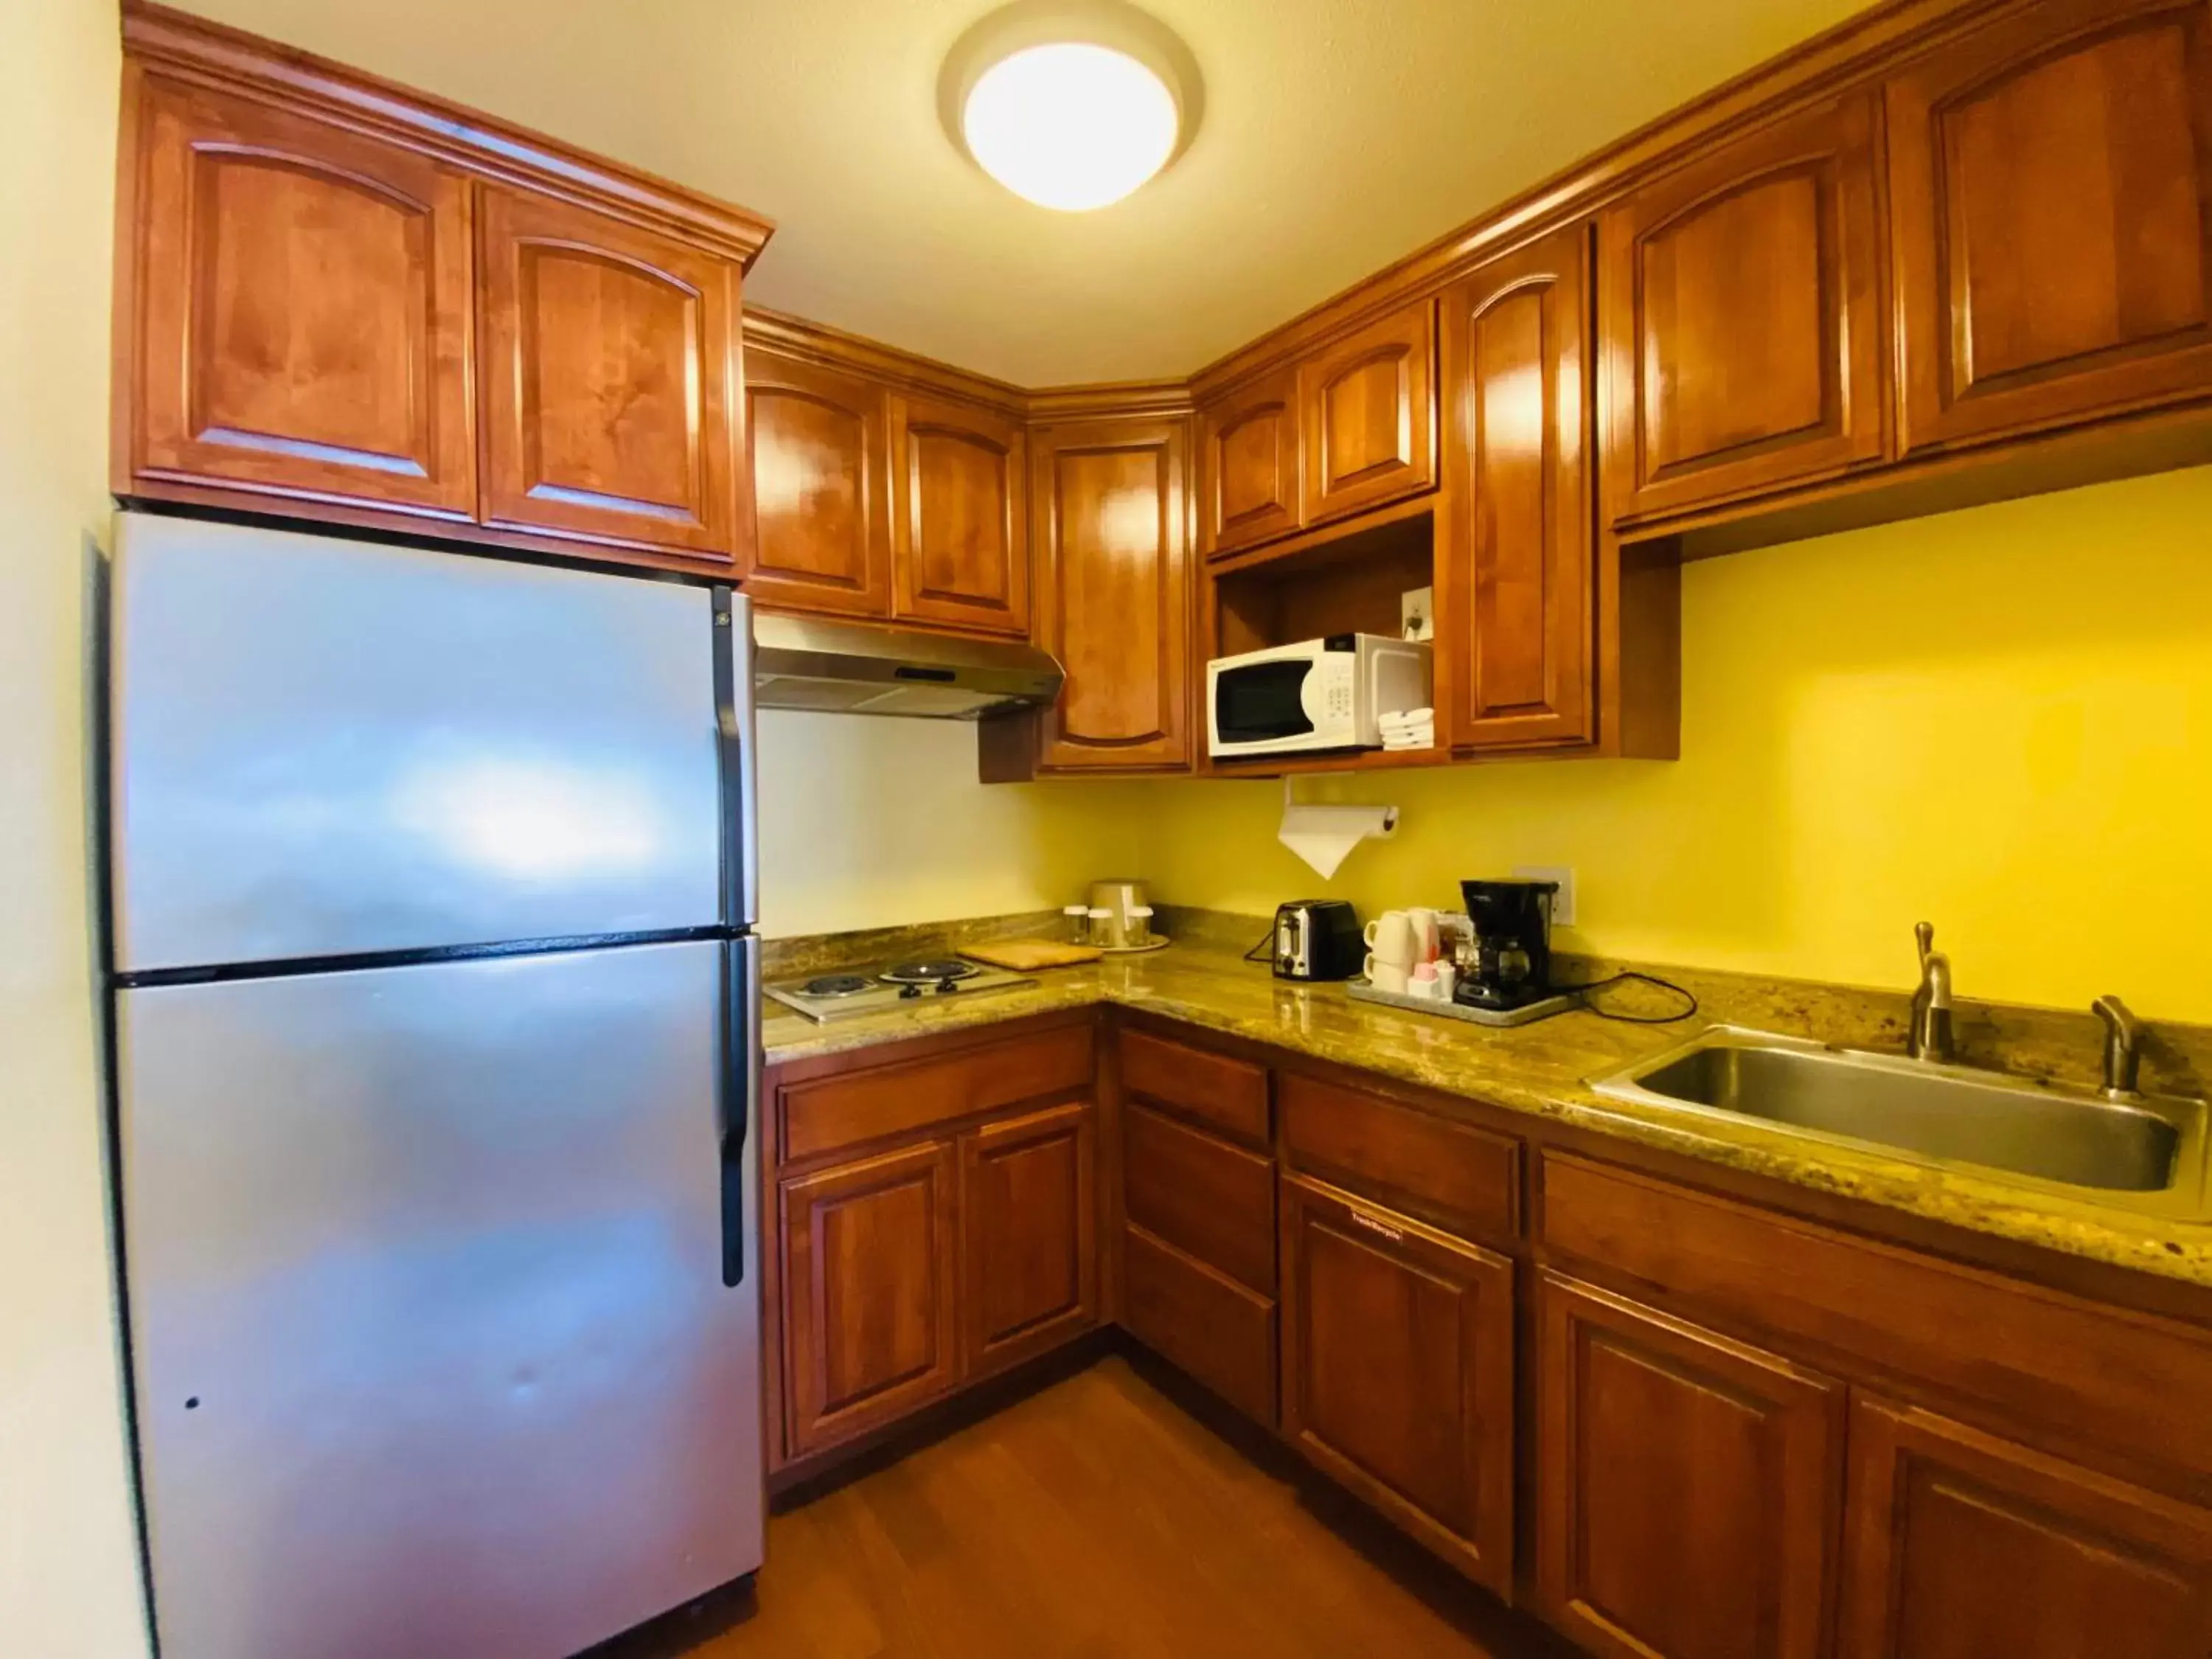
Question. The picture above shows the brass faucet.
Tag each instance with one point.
(1930, 1037)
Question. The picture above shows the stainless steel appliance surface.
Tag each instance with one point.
(825, 997)
(1317, 939)
(437, 1052)
(866, 668)
(2148, 1152)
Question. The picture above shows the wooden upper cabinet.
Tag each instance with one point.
(959, 540)
(1688, 1486)
(1029, 1231)
(869, 1291)
(1963, 1545)
(1398, 1372)
(302, 318)
(819, 483)
(609, 373)
(1740, 309)
(2050, 201)
(1368, 406)
(1248, 466)
(1114, 595)
(1517, 566)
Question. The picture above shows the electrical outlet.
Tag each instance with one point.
(1417, 613)
(1563, 902)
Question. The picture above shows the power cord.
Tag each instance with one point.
(1581, 993)
(1265, 950)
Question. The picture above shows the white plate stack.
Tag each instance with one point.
(1413, 728)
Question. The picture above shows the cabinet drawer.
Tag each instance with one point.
(831, 1112)
(1228, 1095)
(2101, 1375)
(1214, 1201)
(1210, 1326)
(1468, 1180)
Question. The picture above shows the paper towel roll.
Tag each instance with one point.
(1325, 836)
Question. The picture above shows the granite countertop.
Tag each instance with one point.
(1543, 1069)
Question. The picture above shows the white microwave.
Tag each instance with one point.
(1317, 694)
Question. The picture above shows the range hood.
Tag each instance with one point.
(855, 668)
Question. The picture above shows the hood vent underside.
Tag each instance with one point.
(852, 668)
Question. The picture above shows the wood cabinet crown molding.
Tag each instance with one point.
(1852, 52)
(901, 371)
(181, 46)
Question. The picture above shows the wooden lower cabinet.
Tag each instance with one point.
(1028, 1235)
(1688, 1485)
(1688, 1493)
(1964, 1545)
(869, 1250)
(1201, 1320)
(1398, 1372)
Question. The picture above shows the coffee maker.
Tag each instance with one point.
(1513, 944)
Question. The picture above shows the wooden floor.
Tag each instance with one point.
(1097, 1520)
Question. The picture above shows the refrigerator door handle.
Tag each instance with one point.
(734, 739)
(737, 1098)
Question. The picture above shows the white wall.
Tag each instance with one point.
(868, 822)
(68, 1557)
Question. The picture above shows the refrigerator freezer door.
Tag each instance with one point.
(321, 748)
(432, 1351)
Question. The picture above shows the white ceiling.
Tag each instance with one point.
(1337, 135)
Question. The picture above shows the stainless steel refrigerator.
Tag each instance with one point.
(436, 1045)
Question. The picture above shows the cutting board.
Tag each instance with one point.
(1026, 956)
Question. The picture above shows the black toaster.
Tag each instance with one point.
(1318, 938)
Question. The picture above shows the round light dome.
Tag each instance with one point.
(1070, 106)
(1070, 125)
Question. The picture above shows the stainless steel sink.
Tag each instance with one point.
(2147, 1151)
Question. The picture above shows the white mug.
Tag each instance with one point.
(1427, 936)
(1390, 936)
(1386, 976)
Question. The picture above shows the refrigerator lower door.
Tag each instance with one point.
(431, 1344)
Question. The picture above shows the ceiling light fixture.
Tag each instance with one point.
(1070, 104)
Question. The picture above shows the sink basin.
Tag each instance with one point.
(1937, 1114)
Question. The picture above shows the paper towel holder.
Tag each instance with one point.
(1325, 836)
(1290, 799)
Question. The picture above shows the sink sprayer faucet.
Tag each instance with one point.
(1929, 1037)
(2123, 1047)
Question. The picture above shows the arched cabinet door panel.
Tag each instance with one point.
(959, 537)
(1516, 564)
(1397, 1370)
(610, 372)
(1663, 1449)
(820, 488)
(1369, 408)
(2051, 203)
(1963, 1543)
(303, 316)
(1114, 592)
(1248, 466)
(870, 1252)
(1028, 1235)
(1740, 309)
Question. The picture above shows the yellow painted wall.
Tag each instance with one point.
(868, 822)
(1999, 719)
(68, 1562)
